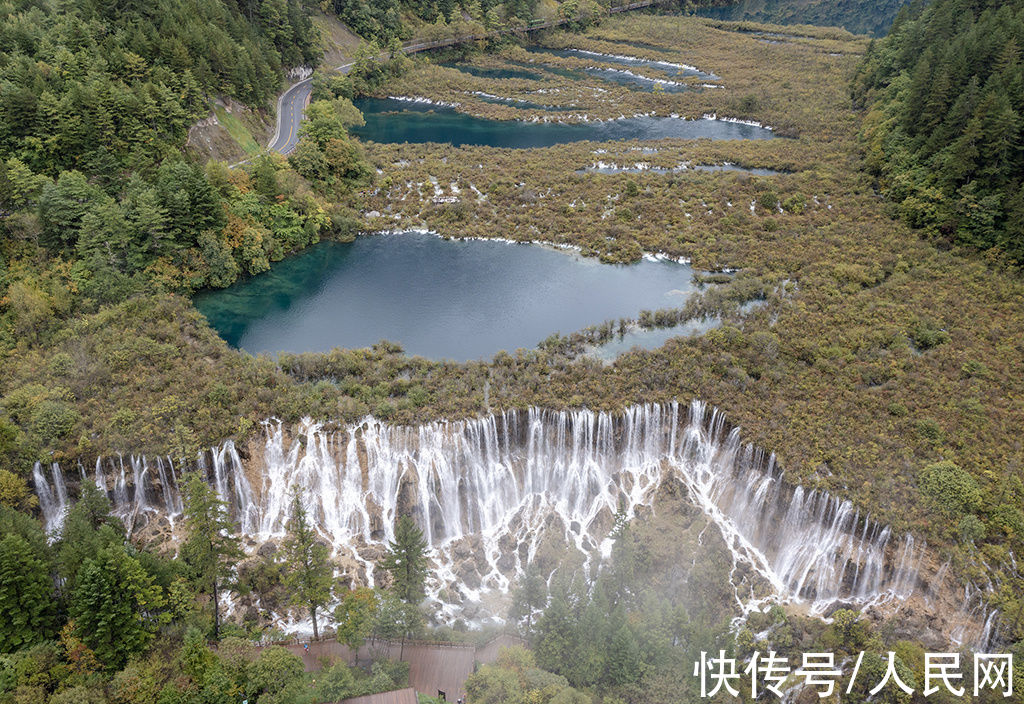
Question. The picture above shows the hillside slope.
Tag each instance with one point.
(945, 95)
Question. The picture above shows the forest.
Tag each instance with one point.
(944, 94)
(881, 362)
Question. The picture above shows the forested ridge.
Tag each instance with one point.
(944, 95)
(100, 200)
(108, 87)
(387, 20)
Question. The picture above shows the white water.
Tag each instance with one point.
(487, 491)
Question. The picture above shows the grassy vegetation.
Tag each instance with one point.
(886, 355)
(238, 131)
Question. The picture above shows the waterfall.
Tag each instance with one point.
(53, 497)
(488, 491)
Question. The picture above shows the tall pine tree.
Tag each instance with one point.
(210, 550)
(406, 560)
(308, 571)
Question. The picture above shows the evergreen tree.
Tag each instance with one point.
(26, 595)
(117, 606)
(530, 595)
(210, 549)
(88, 528)
(309, 573)
(945, 92)
(556, 636)
(397, 618)
(406, 560)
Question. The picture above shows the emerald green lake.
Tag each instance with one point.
(440, 299)
(396, 121)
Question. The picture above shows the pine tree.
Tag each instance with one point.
(26, 595)
(406, 560)
(556, 635)
(531, 594)
(308, 573)
(117, 606)
(210, 549)
(88, 529)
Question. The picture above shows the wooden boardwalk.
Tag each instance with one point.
(398, 696)
(433, 666)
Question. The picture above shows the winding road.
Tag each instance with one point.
(290, 108)
(292, 103)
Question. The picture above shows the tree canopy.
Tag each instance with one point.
(945, 94)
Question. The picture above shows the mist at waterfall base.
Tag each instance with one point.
(494, 494)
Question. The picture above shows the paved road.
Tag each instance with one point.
(290, 107)
(292, 104)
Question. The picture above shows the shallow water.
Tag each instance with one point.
(670, 68)
(650, 338)
(394, 121)
(497, 73)
(439, 299)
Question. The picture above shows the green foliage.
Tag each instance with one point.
(309, 574)
(26, 595)
(396, 618)
(530, 595)
(950, 488)
(849, 632)
(926, 334)
(406, 561)
(102, 88)
(944, 93)
(335, 683)
(275, 675)
(88, 529)
(516, 679)
(356, 615)
(971, 529)
(210, 549)
(14, 492)
(117, 606)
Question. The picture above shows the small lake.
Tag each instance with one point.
(397, 121)
(874, 18)
(442, 299)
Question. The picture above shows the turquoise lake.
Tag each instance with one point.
(440, 299)
(397, 121)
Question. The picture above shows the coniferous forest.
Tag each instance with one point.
(852, 313)
(944, 94)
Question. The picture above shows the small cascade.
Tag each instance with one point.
(488, 492)
(53, 497)
(169, 489)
